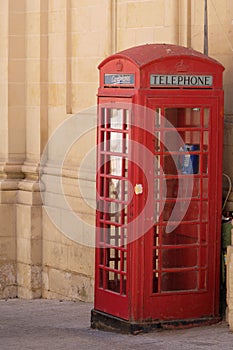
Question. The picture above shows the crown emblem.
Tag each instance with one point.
(182, 67)
(119, 66)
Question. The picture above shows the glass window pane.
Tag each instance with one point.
(113, 282)
(101, 278)
(158, 117)
(182, 235)
(157, 189)
(177, 281)
(124, 260)
(172, 140)
(157, 168)
(205, 141)
(205, 214)
(188, 160)
(123, 292)
(193, 211)
(206, 117)
(169, 163)
(113, 256)
(116, 142)
(178, 258)
(202, 279)
(182, 117)
(156, 236)
(157, 140)
(205, 191)
(101, 256)
(115, 165)
(155, 282)
(116, 118)
(205, 163)
(185, 210)
(125, 143)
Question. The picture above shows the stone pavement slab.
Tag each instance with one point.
(55, 325)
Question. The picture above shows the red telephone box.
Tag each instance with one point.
(160, 121)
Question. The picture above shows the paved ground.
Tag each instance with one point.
(54, 325)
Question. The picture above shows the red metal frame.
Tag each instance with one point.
(200, 299)
(157, 276)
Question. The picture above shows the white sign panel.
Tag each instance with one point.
(181, 80)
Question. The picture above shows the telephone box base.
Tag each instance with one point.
(106, 322)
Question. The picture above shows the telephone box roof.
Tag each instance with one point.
(145, 54)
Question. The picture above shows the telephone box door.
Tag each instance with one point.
(113, 195)
(181, 249)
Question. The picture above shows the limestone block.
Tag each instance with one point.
(33, 94)
(33, 70)
(7, 220)
(29, 250)
(88, 44)
(17, 47)
(16, 95)
(126, 38)
(98, 17)
(32, 6)
(7, 248)
(29, 280)
(8, 197)
(85, 258)
(80, 18)
(33, 23)
(144, 35)
(16, 71)
(23, 250)
(83, 96)
(173, 12)
(230, 320)
(84, 70)
(218, 12)
(55, 50)
(228, 99)
(82, 152)
(166, 34)
(74, 52)
(57, 94)
(16, 6)
(215, 35)
(29, 198)
(57, 5)
(9, 292)
(57, 21)
(66, 285)
(4, 6)
(33, 138)
(83, 189)
(55, 255)
(144, 14)
(80, 205)
(50, 231)
(7, 279)
(56, 201)
(77, 3)
(17, 26)
(228, 134)
(78, 228)
(57, 70)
